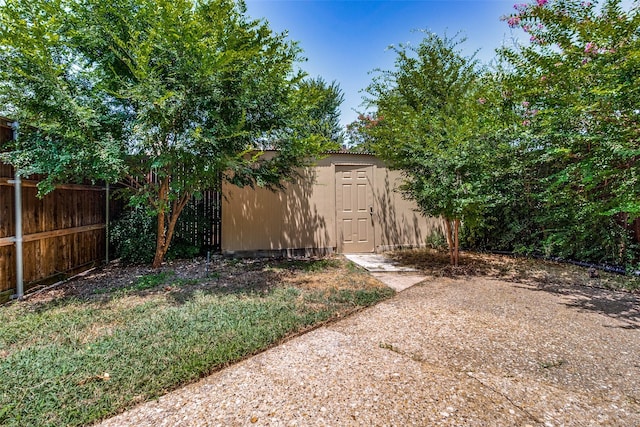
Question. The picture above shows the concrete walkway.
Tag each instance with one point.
(395, 276)
(445, 352)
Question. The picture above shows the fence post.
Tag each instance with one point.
(18, 224)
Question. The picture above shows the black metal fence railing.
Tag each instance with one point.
(200, 224)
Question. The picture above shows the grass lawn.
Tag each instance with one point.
(119, 336)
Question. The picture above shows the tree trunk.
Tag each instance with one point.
(161, 241)
(165, 234)
(165, 230)
(456, 233)
(453, 240)
(447, 223)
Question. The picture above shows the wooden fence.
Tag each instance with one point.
(63, 233)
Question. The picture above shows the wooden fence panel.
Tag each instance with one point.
(7, 226)
(63, 232)
(7, 271)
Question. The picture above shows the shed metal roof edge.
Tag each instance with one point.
(355, 153)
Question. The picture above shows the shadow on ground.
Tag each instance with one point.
(610, 294)
(180, 280)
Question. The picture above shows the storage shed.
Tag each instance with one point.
(346, 203)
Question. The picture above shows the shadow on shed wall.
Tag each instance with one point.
(300, 217)
(303, 216)
(400, 223)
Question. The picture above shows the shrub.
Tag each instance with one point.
(133, 236)
(181, 249)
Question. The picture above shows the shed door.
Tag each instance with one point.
(354, 205)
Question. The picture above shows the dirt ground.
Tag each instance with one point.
(472, 350)
(248, 273)
(514, 269)
(222, 273)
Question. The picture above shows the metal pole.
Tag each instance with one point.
(18, 224)
(106, 258)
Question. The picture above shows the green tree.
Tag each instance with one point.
(576, 86)
(170, 97)
(322, 101)
(358, 136)
(432, 122)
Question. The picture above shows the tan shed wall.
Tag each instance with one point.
(397, 221)
(303, 216)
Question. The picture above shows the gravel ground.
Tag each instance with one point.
(472, 352)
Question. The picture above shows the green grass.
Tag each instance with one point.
(76, 361)
(149, 281)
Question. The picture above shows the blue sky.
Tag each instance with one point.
(345, 40)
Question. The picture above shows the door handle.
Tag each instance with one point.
(371, 210)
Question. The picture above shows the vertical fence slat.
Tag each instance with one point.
(200, 223)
